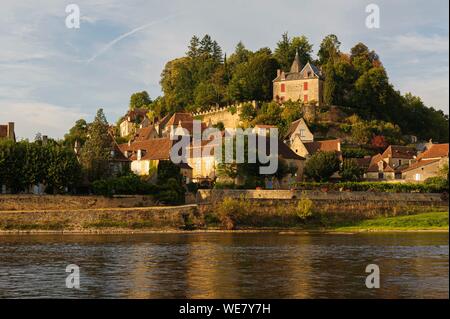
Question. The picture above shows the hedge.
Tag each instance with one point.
(376, 187)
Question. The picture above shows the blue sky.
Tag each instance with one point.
(51, 76)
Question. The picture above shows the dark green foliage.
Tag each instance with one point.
(25, 164)
(96, 152)
(168, 170)
(321, 166)
(77, 133)
(351, 171)
(140, 100)
(287, 48)
(124, 185)
(171, 193)
(375, 187)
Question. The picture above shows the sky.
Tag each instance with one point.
(51, 75)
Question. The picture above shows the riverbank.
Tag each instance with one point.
(422, 222)
(216, 211)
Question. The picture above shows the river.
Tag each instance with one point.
(225, 265)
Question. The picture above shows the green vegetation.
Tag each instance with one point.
(305, 207)
(321, 166)
(96, 152)
(24, 164)
(351, 171)
(426, 221)
(357, 81)
(23, 226)
(376, 187)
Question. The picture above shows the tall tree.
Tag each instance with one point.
(287, 48)
(194, 47)
(329, 49)
(96, 153)
(140, 100)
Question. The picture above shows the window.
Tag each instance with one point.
(418, 177)
(302, 133)
(305, 98)
(305, 86)
(283, 88)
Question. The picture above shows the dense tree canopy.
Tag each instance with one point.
(358, 81)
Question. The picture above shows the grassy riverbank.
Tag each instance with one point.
(419, 222)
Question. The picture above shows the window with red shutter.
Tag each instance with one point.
(305, 86)
(305, 98)
(283, 88)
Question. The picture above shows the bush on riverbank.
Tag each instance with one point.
(169, 193)
(124, 185)
(432, 187)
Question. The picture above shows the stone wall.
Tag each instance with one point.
(327, 202)
(95, 220)
(50, 202)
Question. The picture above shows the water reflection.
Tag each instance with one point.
(225, 265)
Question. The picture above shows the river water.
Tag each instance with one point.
(225, 265)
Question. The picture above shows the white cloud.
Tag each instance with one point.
(414, 43)
(33, 117)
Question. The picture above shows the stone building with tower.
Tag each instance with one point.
(301, 83)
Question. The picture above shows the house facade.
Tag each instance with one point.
(133, 119)
(7, 132)
(389, 165)
(301, 83)
(429, 164)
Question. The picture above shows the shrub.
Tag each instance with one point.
(130, 184)
(231, 210)
(321, 166)
(171, 193)
(304, 207)
(375, 187)
(351, 171)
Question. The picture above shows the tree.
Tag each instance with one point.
(351, 171)
(194, 48)
(77, 133)
(287, 48)
(321, 166)
(96, 153)
(252, 80)
(140, 100)
(329, 49)
(329, 90)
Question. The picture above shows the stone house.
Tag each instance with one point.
(302, 83)
(7, 131)
(205, 164)
(389, 165)
(133, 119)
(145, 156)
(428, 164)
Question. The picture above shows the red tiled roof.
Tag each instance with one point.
(323, 146)
(155, 149)
(144, 133)
(180, 117)
(395, 151)
(435, 151)
(420, 164)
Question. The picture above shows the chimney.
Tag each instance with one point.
(278, 72)
(10, 131)
(44, 139)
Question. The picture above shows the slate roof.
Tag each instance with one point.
(289, 76)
